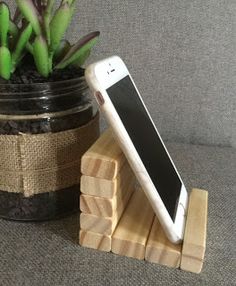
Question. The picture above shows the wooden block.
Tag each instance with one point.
(95, 240)
(194, 243)
(103, 225)
(106, 207)
(104, 159)
(97, 187)
(160, 250)
(107, 188)
(130, 236)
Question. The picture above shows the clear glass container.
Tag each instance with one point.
(43, 108)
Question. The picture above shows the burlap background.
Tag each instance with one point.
(32, 164)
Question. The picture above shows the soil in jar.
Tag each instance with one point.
(52, 204)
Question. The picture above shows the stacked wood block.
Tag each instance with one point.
(107, 184)
(116, 217)
(131, 234)
(194, 244)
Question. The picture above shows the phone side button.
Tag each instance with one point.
(99, 98)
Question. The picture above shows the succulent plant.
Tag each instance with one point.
(37, 30)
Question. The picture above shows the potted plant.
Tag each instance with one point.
(47, 119)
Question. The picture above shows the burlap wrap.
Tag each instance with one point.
(32, 164)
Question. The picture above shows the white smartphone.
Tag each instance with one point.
(133, 127)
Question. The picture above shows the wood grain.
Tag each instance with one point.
(104, 158)
(104, 225)
(122, 221)
(108, 188)
(194, 243)
(95, 240)
(97, 187)
(105, 207)
(130, 236)
(160, 250)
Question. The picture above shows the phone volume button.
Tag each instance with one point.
(99, 98)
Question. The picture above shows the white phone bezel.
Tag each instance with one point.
(102, 75)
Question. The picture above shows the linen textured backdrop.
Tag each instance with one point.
(182, 55)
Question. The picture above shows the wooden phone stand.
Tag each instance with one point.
(117, 217)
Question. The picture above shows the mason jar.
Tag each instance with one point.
(45, 128)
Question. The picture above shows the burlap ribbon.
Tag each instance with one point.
(32, 164)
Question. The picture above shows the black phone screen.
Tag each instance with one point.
(147, 142)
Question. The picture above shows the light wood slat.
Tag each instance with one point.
(194, 243)
(97, 187)
(95, 240)
(104, 168)
(103, 225)
(131, 234)
(102, 206)
(104, 159)
(160, 250)
(107, 188)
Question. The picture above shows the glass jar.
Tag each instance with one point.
(44, 130)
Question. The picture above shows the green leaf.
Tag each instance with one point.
(5, 63)
(29, 48)
(21, 44)
(13, 35)
(59, 25)
(47, 19)
(13, 29)
(62, 49)
(4, 23)
(40, 53)
(80, 48)
(31, 14)
(81, 60)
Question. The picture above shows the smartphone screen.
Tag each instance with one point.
(147, 142)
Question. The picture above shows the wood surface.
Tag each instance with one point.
(104, 225)
(97, 187)
(95, 240)
(131, 234)
(104, 158)
(102, 206)
(194, 243)
(104, 183)
(160, 250)
(108, 188)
